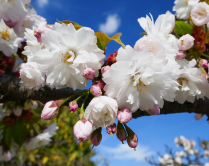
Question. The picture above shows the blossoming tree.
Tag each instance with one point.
(188, 156)
(165, 72)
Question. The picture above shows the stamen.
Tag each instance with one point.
(5, 35)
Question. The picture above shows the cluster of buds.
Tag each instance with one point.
(111, 59)
(6, 64)
(200, 39)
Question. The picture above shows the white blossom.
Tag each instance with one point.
(183, 8)
(139, 80)
(7, 155)
(192, 83)
(101, 111)
(31, 76)
(9, 42)
(67, 53)
(13, 10)
(37, 141)
(51, 129)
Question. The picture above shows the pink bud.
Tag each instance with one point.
(198, 116)
(111, 58)
(124, 115)
(100, 83)
(82, 130)
(154, 111)
(39, 31)
(180, 55)
(111, 129)
(89, 73)
(50, 110)
(17, 111)
(73, 106)
(104, 69)
(204, 63)
(132, 140)
(7, 156)
(96, 90)
(185, 42)
(96, 137)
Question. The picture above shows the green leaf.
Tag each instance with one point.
(76, 25)
(7, 136)
(182, 28)
(103, 39)
(19, 132)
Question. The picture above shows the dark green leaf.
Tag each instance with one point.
(7, 136)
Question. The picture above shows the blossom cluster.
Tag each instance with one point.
(179, 157)
(165, 64)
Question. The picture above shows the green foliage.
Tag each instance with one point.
(181, 28)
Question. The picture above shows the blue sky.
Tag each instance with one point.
(121, 16)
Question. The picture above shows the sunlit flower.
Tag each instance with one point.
(67, 53)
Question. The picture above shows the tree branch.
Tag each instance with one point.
(12, 89)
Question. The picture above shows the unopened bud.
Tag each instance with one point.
(82, 130)
(121, 133)
(7, 156)
(155, 110)
(204, 63)
(185, 42)
(33, 105)
(124, 115)
(180, 55)
(89, 73)
(96, 137)
(73, 106)
(111, 129)
(104, 69)
(50, 110)
(132, 140)
(100, 83)
(198, 116)
(96, 90)
(111, 58)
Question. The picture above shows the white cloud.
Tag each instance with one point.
(111, 25)
(124, 152)
(42, 3)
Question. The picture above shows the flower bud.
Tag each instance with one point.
(111, 58)
(180, 55)
(7, 156)
(204, 63)
(185, 42)
(104, 69)
(200, 14)
(33, 105)
(121, 133)
(82, 130)
(100, 83)
(198, 116)
(154, 111)
(96, 136)
(89, 73)
(111, 129)
(50, 110)
(73, 106)
(132, 140)
(124, 115)
(96, 90)
(17, 111)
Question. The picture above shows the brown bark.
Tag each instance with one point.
(11, 89)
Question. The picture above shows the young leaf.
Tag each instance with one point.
(7, 136)
(103, 39)
(76, 25)
(182, 28)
